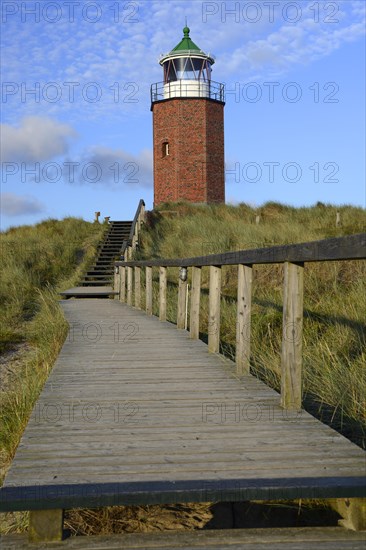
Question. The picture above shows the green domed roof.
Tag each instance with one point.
(186, 47)
(186, 43)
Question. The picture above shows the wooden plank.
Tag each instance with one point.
(129, 285)
(117, 282)
(148, 291)
(135, 223)
(137, 287)
(243, 320)
(231, 456)
(181, 309)
(122, 274)
(291, 357)
(144, 441)
(235, 461)
(88, 291)
(93, 478)
(94, 495)
(294, 538)
(162, 293)
(350, 247)
(194, 318)
(214, 309)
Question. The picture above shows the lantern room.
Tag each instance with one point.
(187, 73)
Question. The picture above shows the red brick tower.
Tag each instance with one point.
(188, 121)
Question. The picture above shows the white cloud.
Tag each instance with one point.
(115, 168)
(121, 168)
(358, 7)
(17, 205)
(291, 45)
(36, 139)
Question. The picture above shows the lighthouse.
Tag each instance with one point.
(188, 128)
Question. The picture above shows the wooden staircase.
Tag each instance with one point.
(101, 273)
(118, 244)
(97, 282)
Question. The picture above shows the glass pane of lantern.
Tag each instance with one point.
(170, 72)
(205, 69)
(198, 68)
(179, 67)
(185, 69)
(189, 72)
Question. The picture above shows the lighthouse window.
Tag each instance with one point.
(198, 67)
(187, 68)
(203, 69)
(169, 70)
(165, 148)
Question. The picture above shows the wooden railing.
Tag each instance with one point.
(129, 245)
(352, 247)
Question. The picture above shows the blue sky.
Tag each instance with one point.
(76, 131)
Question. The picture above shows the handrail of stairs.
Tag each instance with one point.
(129, 245)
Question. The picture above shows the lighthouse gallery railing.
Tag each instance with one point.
(188, 88)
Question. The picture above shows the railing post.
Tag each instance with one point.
(214, 309)
(138, 287)
(46, 525)
(141, 216)
(162, 293)
(291, 359)
(338, 219)
(194, 316)
(117, 282)
(122, 274)
(129, 285)
(148, 290)
(182, 297)
(242, 355)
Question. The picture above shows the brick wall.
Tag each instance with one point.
(194, 168)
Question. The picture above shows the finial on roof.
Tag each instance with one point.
(186, 30)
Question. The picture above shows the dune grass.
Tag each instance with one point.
(34, 257)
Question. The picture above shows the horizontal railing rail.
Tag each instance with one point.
(350, 247)
(96, 495)
(129, 244)
(208, 89)
(293, 256)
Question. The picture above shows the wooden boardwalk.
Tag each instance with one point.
(144, 414)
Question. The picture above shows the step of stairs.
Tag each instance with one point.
(102, 272)
(97, 279)
(101, 282)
